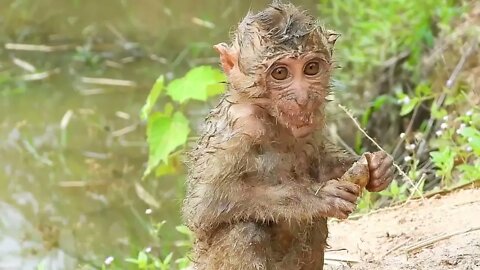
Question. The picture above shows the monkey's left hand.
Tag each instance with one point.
(381, 169)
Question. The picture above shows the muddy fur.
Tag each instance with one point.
(258, 197)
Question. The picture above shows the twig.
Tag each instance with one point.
(107, 81)
(24, 64)
(379, 147)
(407, 131)
(456, 71)
(39, 75)
(36, 48)
(438, 238)
(339, 258)
(396, 247)
(66, 119)
(125, 130)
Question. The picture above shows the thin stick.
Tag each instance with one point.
(396, 247)
(435, 239)
(36, 47)
(379, 147)
(108, 81)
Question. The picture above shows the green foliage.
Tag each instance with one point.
(456, 142)
(165, 132)
(169, 130)
(152, 97)
(395, 191)
(374, 31)
(145, 261)
(150, 259)
(199, 83)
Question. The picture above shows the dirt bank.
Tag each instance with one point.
(442, 232)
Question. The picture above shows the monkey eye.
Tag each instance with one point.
(312, 68)
(280, 73)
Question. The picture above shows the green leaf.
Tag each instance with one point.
(437, 112)
(164, 135)
(152, 97)
(199, 84)
(422, 90)
(378, 102)
(168, 258)
(184, 230)
(142, 260)
(409, 106)
(444, 159)
(473, 137)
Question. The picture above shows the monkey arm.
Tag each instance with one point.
(225, 187)
(334, 161)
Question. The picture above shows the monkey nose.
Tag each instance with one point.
(301, 99)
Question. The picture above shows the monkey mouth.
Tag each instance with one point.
(301, 124)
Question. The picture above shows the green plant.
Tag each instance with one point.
(169, 129)
(456, 141)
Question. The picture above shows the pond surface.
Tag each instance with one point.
(72, 149)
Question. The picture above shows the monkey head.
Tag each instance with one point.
(281, 60)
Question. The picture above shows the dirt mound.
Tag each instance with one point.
(436, 233)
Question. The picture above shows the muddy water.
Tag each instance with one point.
(72, 153)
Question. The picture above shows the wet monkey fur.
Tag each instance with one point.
(263, 176)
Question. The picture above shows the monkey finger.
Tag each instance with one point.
(380, 184)
(347, 196)
(343, 208)
(382, 170)
(376, 159)
(349, 187)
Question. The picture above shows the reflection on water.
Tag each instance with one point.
(71, 152)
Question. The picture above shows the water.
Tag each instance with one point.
(72, 153)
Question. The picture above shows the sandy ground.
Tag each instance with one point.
(442, 232)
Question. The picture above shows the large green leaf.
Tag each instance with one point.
(164, 134)
(152, 97)
(199, 84)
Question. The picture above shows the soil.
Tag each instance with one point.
(442, 232)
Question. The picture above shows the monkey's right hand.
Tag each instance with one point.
(339, 198)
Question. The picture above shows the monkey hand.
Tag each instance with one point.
(380, 165)
(339, 198)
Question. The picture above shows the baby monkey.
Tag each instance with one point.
(263, 177)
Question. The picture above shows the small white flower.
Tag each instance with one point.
(148, 211)
(468, 149)
(406, 100)
(445, 118)
(109, 260)
(402, 135)
(148, 249)
(443, 126)
(460, 129)
(410, 147)
(439, 133)
(407, 158)
(469, 113)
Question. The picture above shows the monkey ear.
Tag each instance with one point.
(227, 57)
(332, 37)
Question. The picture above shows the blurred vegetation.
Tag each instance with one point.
(78, 106)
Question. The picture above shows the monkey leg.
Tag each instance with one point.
(306, 250)
(244, 246)
(314, 246)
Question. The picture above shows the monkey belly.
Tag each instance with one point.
(249, 245)
(244, 245)
(299, 246)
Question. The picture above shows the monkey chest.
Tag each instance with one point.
(278, 166)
